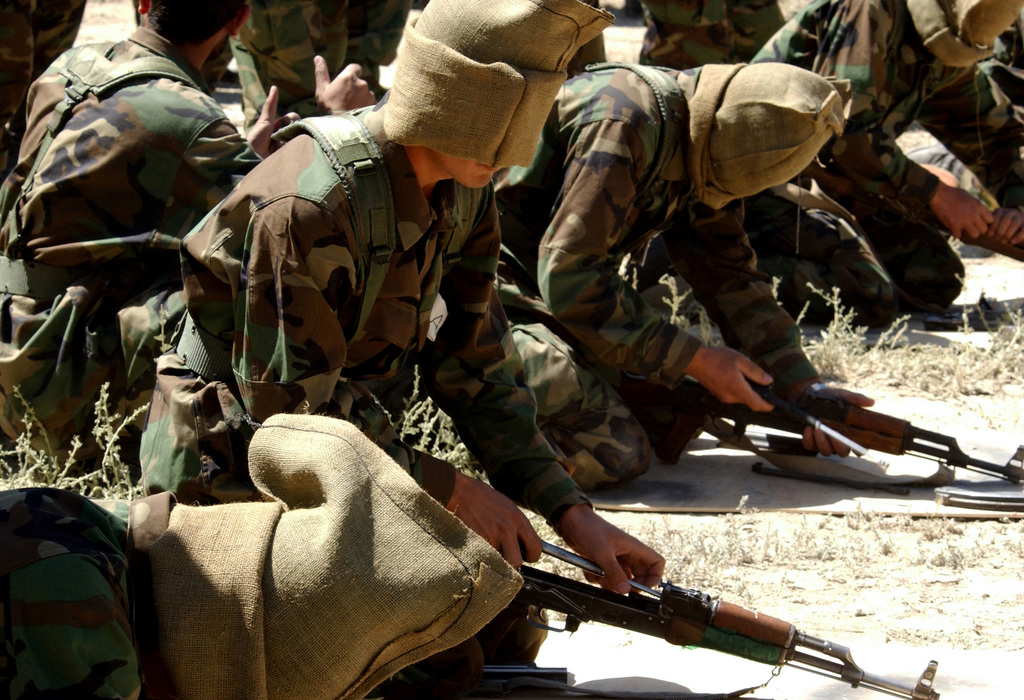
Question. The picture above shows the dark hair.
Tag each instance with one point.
(191, 21)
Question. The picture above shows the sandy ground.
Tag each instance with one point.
(949, 584)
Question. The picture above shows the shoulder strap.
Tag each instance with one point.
(352, 152)
(669, 97)
(90, 71)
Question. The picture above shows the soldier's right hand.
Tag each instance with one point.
(960, 212)
(495, 518)
(725, 373)
(347, 91)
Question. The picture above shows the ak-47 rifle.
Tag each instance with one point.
(875, 431)
(688, 617)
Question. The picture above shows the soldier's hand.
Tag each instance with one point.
(347, 91)
(817, 441)
(725, 373)
(1007, 225)
(620, 555)
(259, 136)
(495, 518)
(960, 212)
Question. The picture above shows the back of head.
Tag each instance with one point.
(189, 22)
(476, 78)
(962, 32)
(753, 127)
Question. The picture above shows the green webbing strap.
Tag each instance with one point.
(88, 72)
(36, 280)
(352, 152)
(669, 97)
(203, 352)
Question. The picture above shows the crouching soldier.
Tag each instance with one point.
(629, 153)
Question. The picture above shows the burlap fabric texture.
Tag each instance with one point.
(476, 78)
(962, 32)
(350, 573)
(755, 126)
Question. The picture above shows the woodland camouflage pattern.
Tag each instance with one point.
(120, 185)
(690, 33)
(896, 81)
(64, 585)
(570, 218)
(277, 45)
(33, 33)
(277, 272)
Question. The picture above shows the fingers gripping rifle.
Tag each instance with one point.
(875, 431)
(690, 618)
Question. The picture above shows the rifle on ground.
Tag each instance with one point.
(689, 617)
(875, 431)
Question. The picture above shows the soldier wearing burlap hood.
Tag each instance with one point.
(885, 245)
(281, 277)
(607, 179)
(346, 573)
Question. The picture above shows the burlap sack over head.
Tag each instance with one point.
(962, 32)
(752, 127)
(476, 78)
(351, 574)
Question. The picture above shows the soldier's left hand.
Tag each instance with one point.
(818, 441)
(1008, 225)
(620, 555)
(259, 136)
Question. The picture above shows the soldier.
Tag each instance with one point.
(880, 232)
(690, 33)
(32, 34)
(628, 153)
(276, 46)
(160, 600)
(370, 240)
(125, 151)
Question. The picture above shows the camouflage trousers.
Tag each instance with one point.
(32, 34)
(689, 33)
(64, 599)
(894, 265)
(277, 45)
(580, 411)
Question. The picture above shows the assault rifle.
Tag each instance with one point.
(689, 617)
(875, 431)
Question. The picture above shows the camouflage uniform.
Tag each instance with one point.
(277, 273)
(895, 82)
(689, 33)
(65, 595)
(588, 199)
(32, 34)
(118, 187)
(277, 45)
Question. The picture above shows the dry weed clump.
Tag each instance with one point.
(23, 465)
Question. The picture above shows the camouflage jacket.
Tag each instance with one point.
(277, 272)
(896, 81)
(119, 185)
(588, 199)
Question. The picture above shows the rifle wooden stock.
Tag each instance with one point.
(997, 246)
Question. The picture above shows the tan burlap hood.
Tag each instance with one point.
(752, 127)
(352, 573)
(476, 78)
(962, 32)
